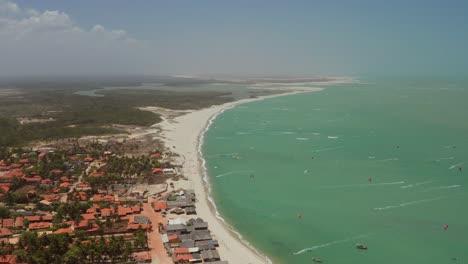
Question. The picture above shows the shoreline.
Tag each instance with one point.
(184, 135)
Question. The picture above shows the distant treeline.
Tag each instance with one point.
(75, 115)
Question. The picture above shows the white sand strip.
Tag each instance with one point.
(183, 135)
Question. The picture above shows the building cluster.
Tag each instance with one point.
(51, 192)
(185, 238)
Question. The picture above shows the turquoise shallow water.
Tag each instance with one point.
(376, 164)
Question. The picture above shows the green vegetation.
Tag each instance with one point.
(67, 115)
(60, 248)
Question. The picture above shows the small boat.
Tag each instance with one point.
(317, 260)
(361, 246)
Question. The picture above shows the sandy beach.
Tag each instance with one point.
(183, 134)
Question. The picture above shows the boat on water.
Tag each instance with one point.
(317, 260)
(361, 246)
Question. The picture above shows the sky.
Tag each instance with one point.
(242, 37)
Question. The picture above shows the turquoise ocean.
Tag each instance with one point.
(379, 163)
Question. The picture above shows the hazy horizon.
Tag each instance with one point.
(209, 38)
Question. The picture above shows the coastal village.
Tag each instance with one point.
(92, 202)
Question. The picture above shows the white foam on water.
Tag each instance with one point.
(328, 149)
(361, 185)
(389, 159)
(287, 132)
(443, 187)
(242, 133)
(450, 186)
(332, 137)
(302, 138)
(408, 203)
(232, 172)
(416, 184)
(302, 251)
(456, 165)
(449, 158)
(208, 186)
(371, 157)
(222, 154)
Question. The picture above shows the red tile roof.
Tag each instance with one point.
(68, 230)
(56, 172)
(35, 179)
(181, 250)
(19, 221)
(98, 174)
(106, 212)
(7, 222)
(40, 225)
(185, 257)
(8, 259)
(160, 205)
(64, 179)
(88, 216)
(157, 170)
(5, 232)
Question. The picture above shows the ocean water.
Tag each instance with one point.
(379, 163)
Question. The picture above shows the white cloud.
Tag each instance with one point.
(50, 42)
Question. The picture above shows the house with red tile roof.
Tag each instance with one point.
(160, 205)
(142, 257)
(64, 179)
(68, 230)
(19, 222)
(105, 212)
(5, 232)
(157, 170)
(64, 185)
(186, 258)
(16, 166)
(39, 225)
(7, 222)
(33, 180)
(9, 259)
(88, 217)
(98, 174)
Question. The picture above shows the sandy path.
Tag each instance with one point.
(158, 252)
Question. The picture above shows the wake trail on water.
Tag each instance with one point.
(409, 203)
(232, 172)
(390, 159)
(328, 149)
(443, 187)
(330, 244)
(361, 185)
(416, 184)
(456, 165)
(222, 154)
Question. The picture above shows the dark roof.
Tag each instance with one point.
(187, 243)
(198, 223)
(139, 219)
(177, 227)
(198, 235)
(211, 254)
